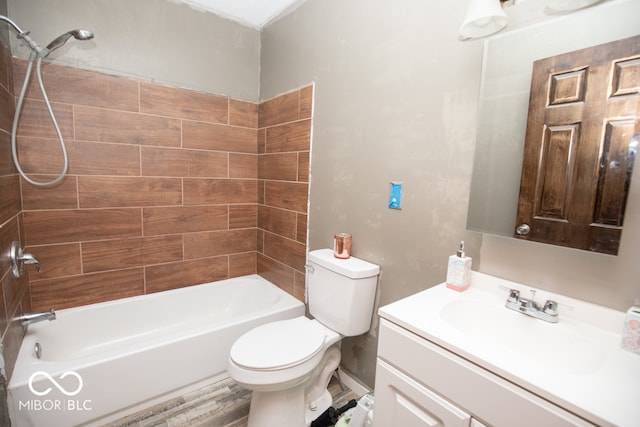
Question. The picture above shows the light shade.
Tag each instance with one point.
(565, 5)
(484, 17)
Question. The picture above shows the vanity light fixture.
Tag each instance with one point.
(568, 5)
(484, 17)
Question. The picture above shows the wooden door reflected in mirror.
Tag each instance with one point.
(582, 134)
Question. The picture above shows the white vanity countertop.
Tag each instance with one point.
(577, 363)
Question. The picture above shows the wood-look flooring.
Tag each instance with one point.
(222, 404)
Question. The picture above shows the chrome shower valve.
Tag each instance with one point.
(19, 258)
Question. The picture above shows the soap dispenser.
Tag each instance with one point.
(631, 331)
(459, 270)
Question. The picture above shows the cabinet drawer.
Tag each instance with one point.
(474, 389)
(401, 401)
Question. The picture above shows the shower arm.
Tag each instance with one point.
(24, 35)
(39, 51)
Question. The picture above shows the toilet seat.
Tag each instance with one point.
(278, 345)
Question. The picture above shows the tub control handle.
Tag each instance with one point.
(309, 268)
(19, 259)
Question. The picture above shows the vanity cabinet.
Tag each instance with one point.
(419, 383)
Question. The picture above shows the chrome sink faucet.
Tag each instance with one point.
(29, 318)
(548, 312)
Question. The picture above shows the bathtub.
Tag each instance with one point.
(102, 361)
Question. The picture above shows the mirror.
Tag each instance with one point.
(582, 136)
(504, 101)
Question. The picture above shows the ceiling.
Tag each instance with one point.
(252, 13)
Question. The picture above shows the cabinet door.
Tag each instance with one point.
(401, 401)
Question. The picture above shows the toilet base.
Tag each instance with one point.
(296, 406)
(277, 409)
(320, 405)
(317, 398)
(285, 408)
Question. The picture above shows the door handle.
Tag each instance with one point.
(523, 229)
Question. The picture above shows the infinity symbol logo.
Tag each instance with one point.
(55, 383)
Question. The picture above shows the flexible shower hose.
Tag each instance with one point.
(16, 118)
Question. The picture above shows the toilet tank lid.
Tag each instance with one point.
(352, 267)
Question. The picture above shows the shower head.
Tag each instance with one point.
(78, 34)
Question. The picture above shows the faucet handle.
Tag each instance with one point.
(30, 259)
(18, 258)
(514, 295)
(550, 308)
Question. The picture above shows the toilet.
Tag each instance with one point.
(288, 363)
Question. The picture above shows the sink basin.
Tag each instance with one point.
(557, 346)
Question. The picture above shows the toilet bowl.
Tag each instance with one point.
(288, 364)
(283, 370)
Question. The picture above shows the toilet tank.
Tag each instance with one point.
(341, 291)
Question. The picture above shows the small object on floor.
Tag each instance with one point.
(364, 408)
(331, 415)
(326, 419)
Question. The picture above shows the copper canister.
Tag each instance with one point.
(342, 245)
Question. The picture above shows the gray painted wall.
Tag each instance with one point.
(154, 40)
(396, 99)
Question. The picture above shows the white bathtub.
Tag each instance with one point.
(104, 360)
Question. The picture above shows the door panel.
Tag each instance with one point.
(556, 171)
(616, 166)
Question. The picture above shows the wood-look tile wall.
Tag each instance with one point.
(14, 294)
(166, 187)
(283, 170)
(158, 194)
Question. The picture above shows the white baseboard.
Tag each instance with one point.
(356, 386)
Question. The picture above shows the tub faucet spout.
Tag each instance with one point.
(29, 318)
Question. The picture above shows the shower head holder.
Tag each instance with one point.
(35, 47)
